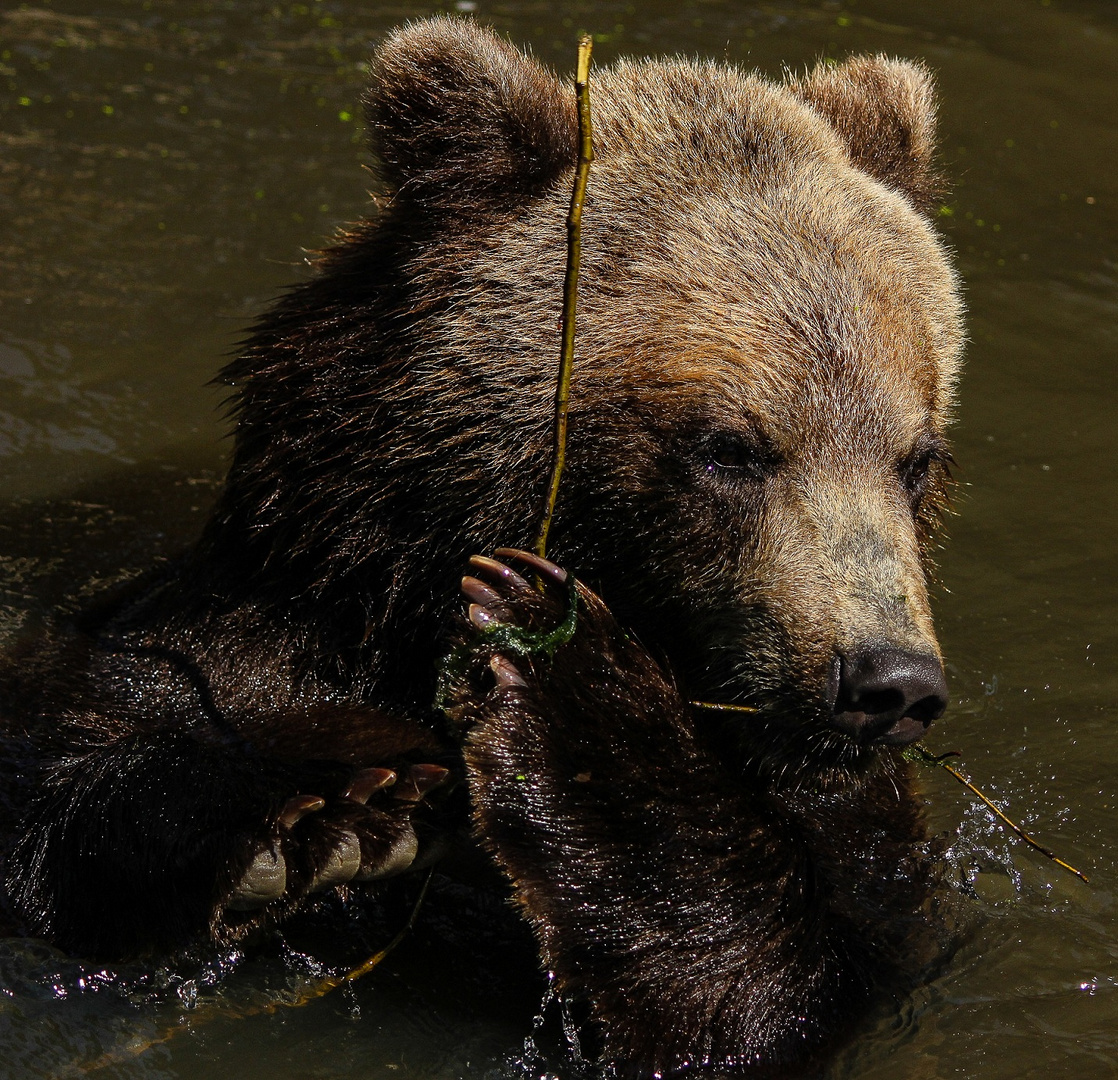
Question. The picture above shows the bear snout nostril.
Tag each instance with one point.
(887, 695)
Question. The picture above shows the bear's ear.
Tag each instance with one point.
(460, 118)
(885, 112)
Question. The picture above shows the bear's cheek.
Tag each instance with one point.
(811, 571)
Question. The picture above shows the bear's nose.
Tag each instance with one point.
(887, 695)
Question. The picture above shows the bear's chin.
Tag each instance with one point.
(802, 754)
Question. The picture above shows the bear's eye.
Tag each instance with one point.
(916, 473)
(731, 455)
(916, 470)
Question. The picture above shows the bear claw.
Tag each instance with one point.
(498, 573)
(420, 779)
(297, 808)
(486, 597)
(536, 562)
(367, 782)
(505, 672)
(482, 617)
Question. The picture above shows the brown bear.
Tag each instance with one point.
(768, 341)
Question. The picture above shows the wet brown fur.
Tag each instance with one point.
(706, 923)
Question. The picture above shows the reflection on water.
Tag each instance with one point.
(163, 164)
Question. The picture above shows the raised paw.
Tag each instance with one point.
(364, 833)
(520, 607)
(522, 617)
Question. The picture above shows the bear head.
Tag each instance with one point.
(768, 338)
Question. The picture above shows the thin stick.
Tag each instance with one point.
(324, 986)
(920, 754)
(570, 291)
(716, 707)
(224, 1011)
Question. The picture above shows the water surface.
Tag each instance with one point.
(163, 167)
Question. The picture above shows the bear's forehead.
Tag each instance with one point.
(797, 312)
(703, 118)
(726, 227)
(804, 406)
(734, 259)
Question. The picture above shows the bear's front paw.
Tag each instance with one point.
(364, 834)
(517, 617)
(514, 622)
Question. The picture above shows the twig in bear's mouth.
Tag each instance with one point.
(719, 707)
(918, 754)
(570, 291)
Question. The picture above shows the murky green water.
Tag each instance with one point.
(162, 166)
